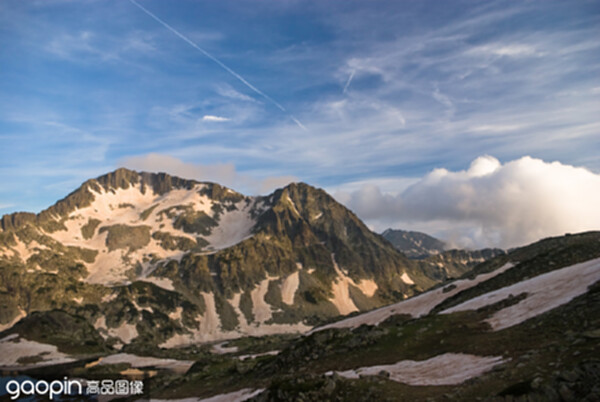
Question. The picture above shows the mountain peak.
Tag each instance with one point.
(271, 263)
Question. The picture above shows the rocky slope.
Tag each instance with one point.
(150, 259)
(521, 326)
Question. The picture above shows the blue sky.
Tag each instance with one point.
(336, 94)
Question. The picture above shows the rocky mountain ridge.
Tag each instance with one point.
(434, 257)
(151, 259)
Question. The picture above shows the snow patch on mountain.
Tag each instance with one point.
(126, 332)
(257, 329)
(415, 306)
(234, 227)
(13, 348)
(289, 287)
(544, 292)
(221, 349)
(164, 283)
(260, 308)
(406, 279)
(341, 294)
(132, 207)
(15, 320)
(446, 369)
(210, 326)
(176, 366)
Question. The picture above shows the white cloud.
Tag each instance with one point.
(212, 118)
(496, 128)
(228, 92)
(508, 50)
(489, 204)
(222, 173)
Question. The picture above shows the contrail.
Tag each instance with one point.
(219, 62)
(349, 81)
(298, 122)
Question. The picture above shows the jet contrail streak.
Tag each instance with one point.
(348, 82)
(298, 122)
(219, 62)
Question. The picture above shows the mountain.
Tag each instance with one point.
(252, 290)
(414, 244)
(434, 257)
(151, 260)
(521, 326)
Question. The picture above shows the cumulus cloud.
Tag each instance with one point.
(212, 118)
(222, 173)
(489, 204)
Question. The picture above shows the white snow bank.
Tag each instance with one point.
(289, 287)
(13, 348)
(164, 283)
(4, 327)
(341, 293)
(544, 292)
(406, 279)
(234, 227)
(210, 325)
(415, 306)
(125, 332)
(255, 355)
(446, 369)
(221, 349)
(177, 366)
(260, 308)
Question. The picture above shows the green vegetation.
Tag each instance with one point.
(69, 333)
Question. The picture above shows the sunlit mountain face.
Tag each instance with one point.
(324, 201)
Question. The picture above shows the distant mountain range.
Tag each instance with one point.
(434, 257)
(414, 244)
